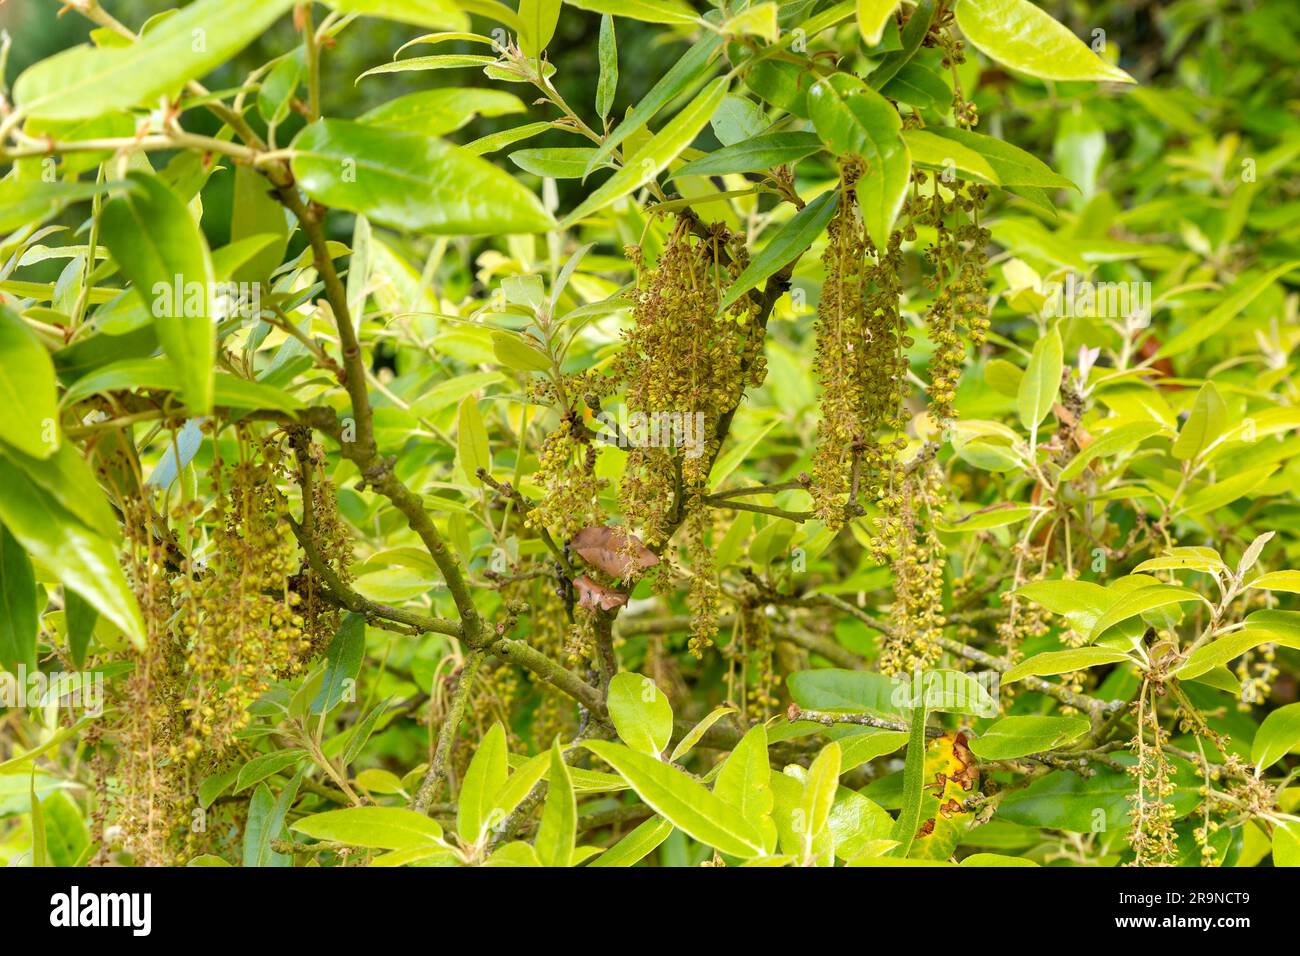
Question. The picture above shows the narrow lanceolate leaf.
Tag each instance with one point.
(472, 439)
(744, 782)
(1140, 601)
(433, 14)
(872, 16)
(647, 11)
(444, 110)
(1278, 581)
(912, 36)
(1207, 422)
(27, 390)
(819, 790)
(558, 830)
(637, 845)
(24, 202)
(1230, 646)
(653, 158)
(607, 54)
(411, 181)
(1012, 165)
(18, 623)
(948, 157)
(161, 249)
(909, 813)
(1063, 662)
(789, 243)
(380, 828)
(1020, 36)
(692, 809)
(538, 19)
(1277, 736)
(1119, 439)
(753, 155)
(1017, 736)
(853, 119)
(487, 774)
(343, 657)
(81, 558)
(1041, 381)
(87, 81)
(1242, 295)
(694, 66)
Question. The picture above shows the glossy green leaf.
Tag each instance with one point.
(637, 845)
(1024, 38)
(473, 451)
(30, 422)
(872, 16)
(411, 181)
(538, 19)
(753, 155)
(1277, 736)
(380, 828)
(640, 712)
(653, 158)
(1206, 424)
(18, 622)
(607, 54)
(1063, 662)
(1017, 736)
(790, 242)
(441, 111)
(485, 777)
(949, 158)
(558, 829)
(1041, 382)
(675, 796)
(343, 658)
(86, 81)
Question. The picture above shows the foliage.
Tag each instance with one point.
(871, 440)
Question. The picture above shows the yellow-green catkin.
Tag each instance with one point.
(859, 363)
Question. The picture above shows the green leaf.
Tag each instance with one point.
(1041, 382)
(1140, 601)
(607, 54)
(819, 791)
(412, 181)
(18, 620)
(684, 75)
(231, 391)
(1012, 165)
(472, 447)
(947, 157)
(80, 619)
(1022, 37)
(26, 202)
(862, 748)
(558, 162)
(985, 518)
(1243, 293)
(343, 657)
(486, 776)
(1206, 423)
(441, 111)
(652, 158)
(637, 845)
(640, 712)
(81, 558)
(833, 688)
(558, 831)
(266, 765)
(433, 14)
(1286, 843)
(753, 155)
(648, 11)
(1277, 736)
(853, 119)
(514, 352)
(1119, 439)
(1063, 662)
(1288, 581)
(1017, 736)
(685, 745)
(790, 242)
(911, 37)
(758, 19)
(379, 828)
(1063, 800)
(744, 782)
(872, 16)
(264, 823)
(538, 19)
(1229, 646)
(86, 81)
(1079, 602)
(671, 793)
(909, 815)
(161, 249)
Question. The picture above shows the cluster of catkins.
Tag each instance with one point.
(859, 362)
(224, 617)
(686, 362)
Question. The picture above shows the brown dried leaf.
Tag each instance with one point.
(593, 595)
(613, 551)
